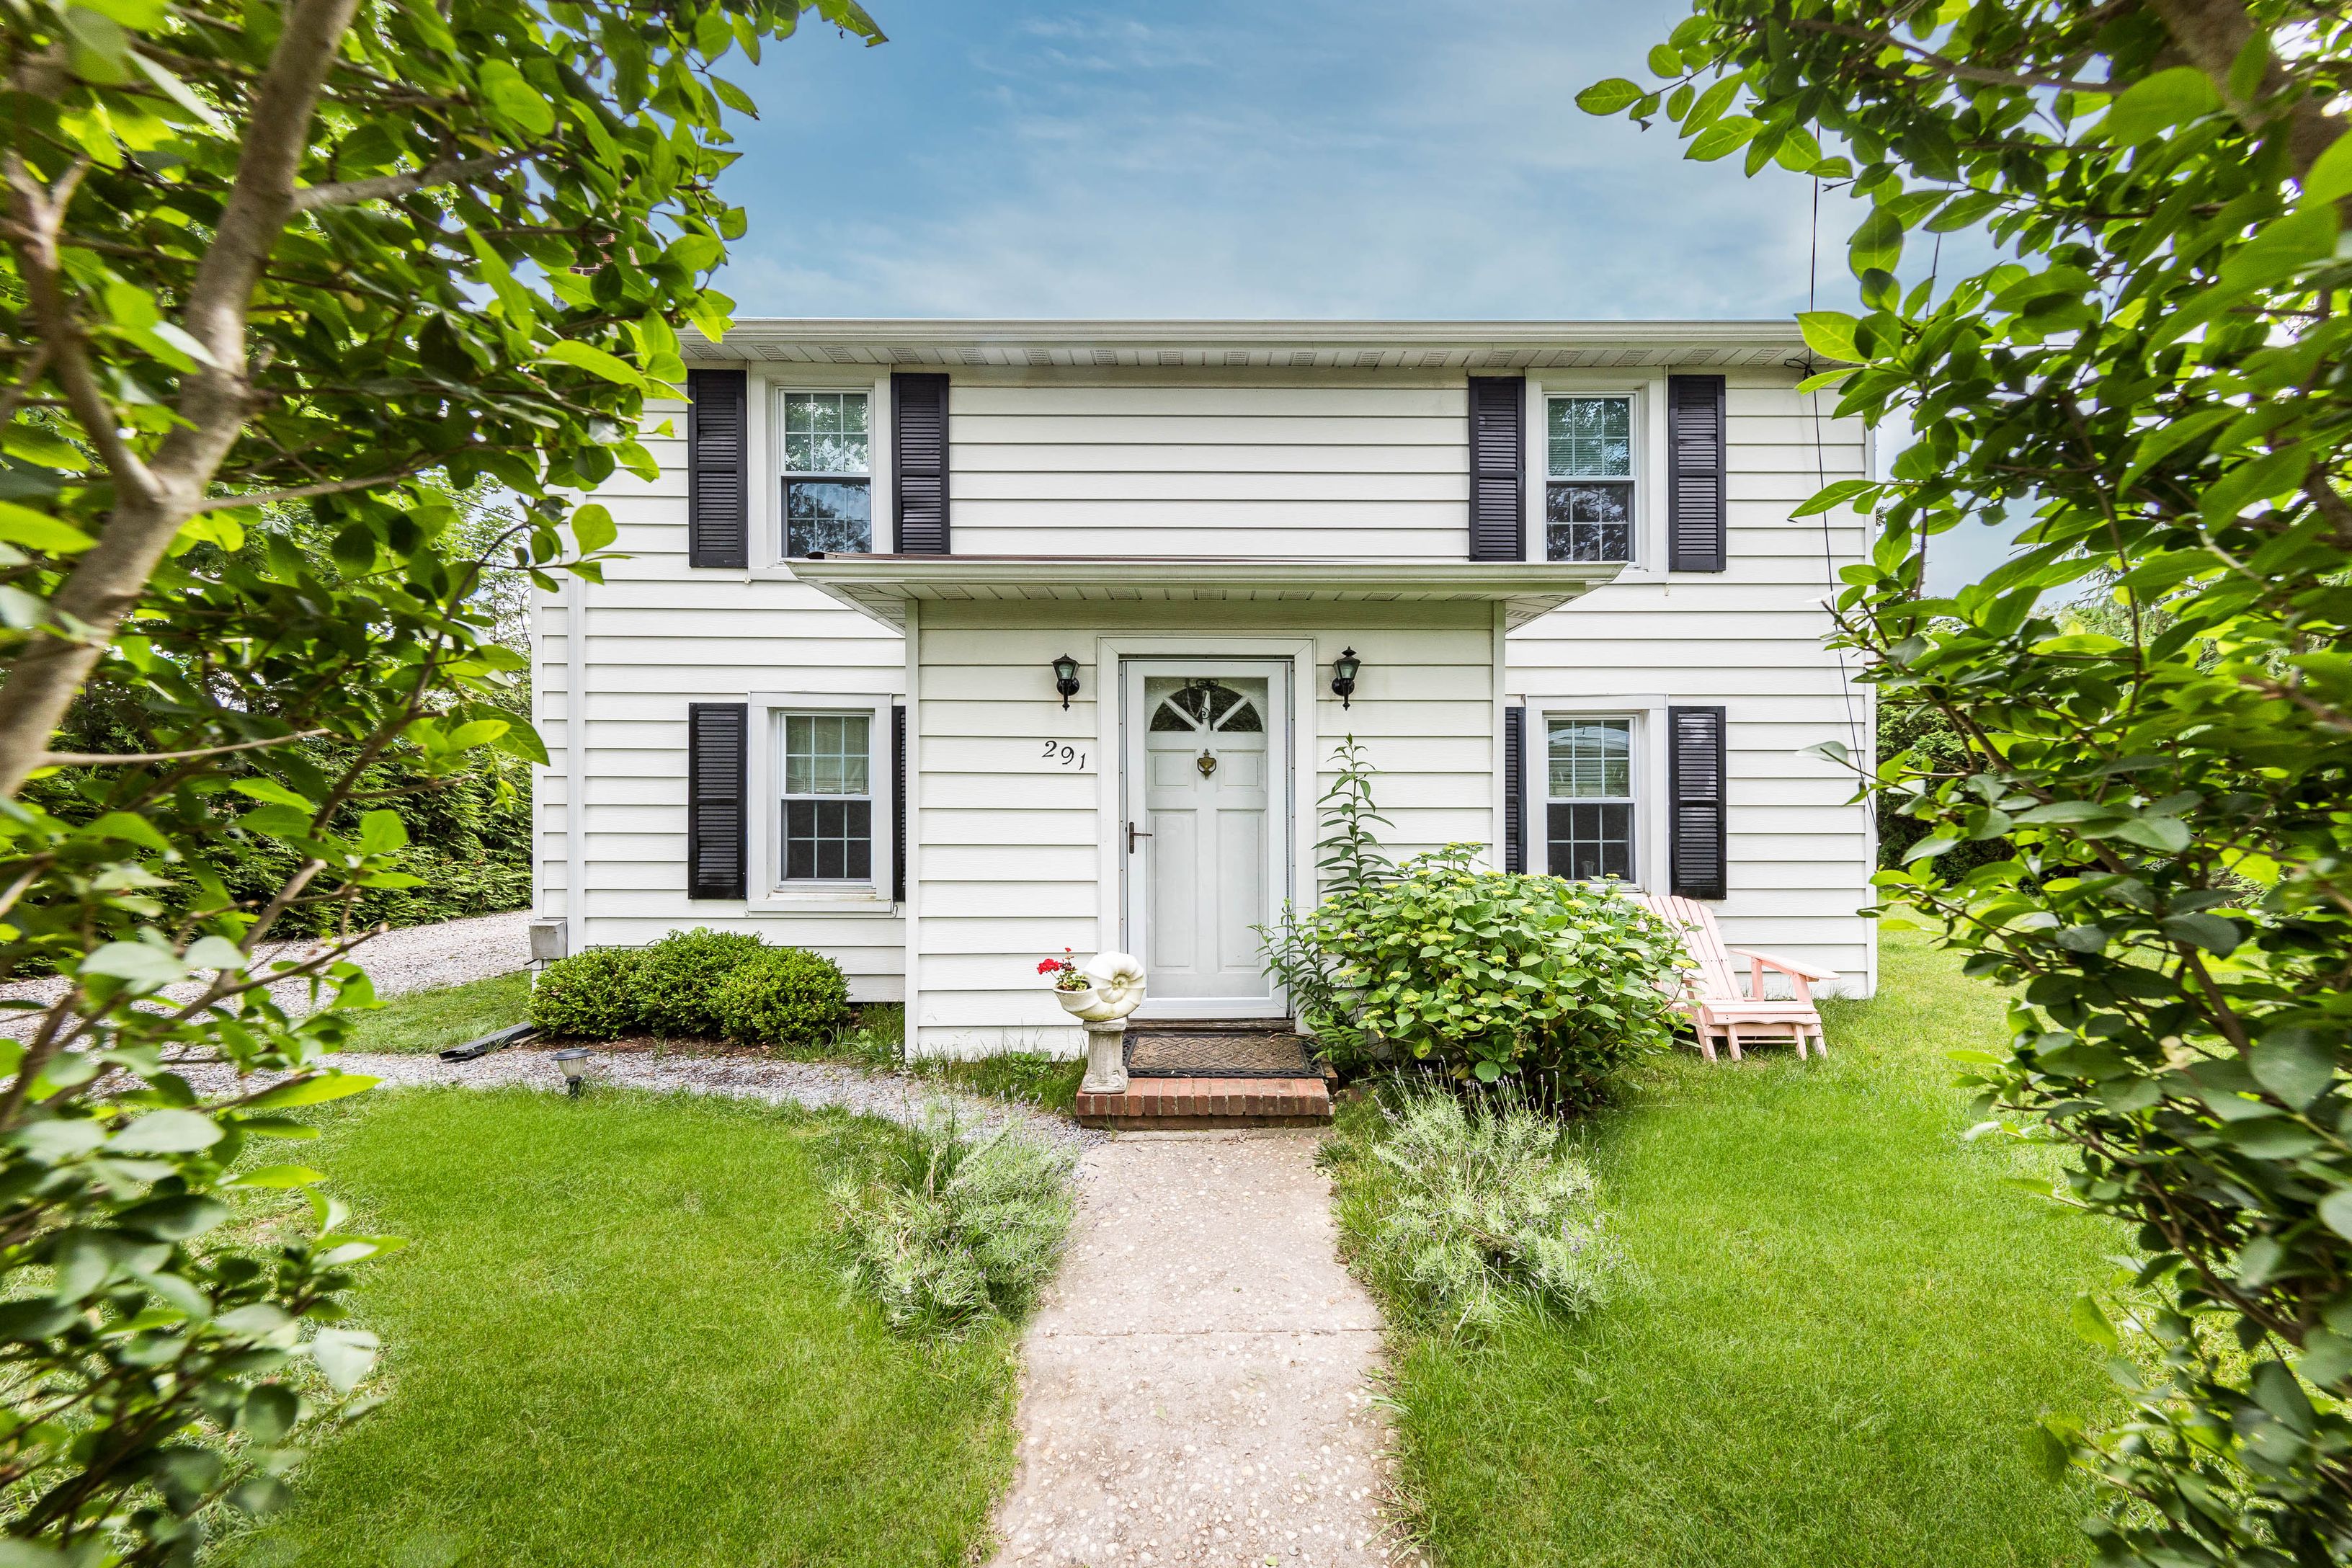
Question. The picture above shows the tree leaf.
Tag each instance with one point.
(1830, 334)
(2294, 1063)
(34, 531)
(1877, 244)
(1609, 97)
(2155, 104)
(166, 1132)
(343, 1355)
(587, 357)
(513, 99)
(140, 964)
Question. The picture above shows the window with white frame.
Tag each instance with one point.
(1589, 805)
(1589, 478)
(828, 796)
(827, 474)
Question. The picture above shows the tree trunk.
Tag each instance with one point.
(107, 581)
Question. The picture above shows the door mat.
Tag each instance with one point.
(1201, 1053)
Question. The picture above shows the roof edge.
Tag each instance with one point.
(945, 332)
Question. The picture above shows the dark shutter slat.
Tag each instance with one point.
(1498, 467)
(1696, 468)
(718, 491)
(918, 463)
(898, 804)
(1515, 789)
(715, 741)
(1695, 766)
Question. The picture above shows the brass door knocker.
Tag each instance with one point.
(1207, 762)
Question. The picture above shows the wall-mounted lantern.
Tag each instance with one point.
(1343, 676)
(1066, 678)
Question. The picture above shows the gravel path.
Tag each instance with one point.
(1198, 1391)
(813, 1084)
(413, 958)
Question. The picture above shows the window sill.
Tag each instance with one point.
(821, 902)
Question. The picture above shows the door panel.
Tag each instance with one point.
(1207, 749)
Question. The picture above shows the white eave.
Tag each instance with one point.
(924, 343)
(881, 586)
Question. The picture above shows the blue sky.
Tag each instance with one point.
(1305, 158)
(1295, 158)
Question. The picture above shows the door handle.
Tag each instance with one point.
(1133, 833)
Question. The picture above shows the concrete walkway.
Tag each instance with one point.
(1197, 1380)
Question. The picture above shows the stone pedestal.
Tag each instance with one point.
(1105, 1058)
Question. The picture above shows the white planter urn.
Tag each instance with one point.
(1114, 989)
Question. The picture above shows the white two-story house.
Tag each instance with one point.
(942, 647)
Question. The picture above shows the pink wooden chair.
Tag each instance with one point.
(1715, 1003)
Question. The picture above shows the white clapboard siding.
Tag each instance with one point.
(1748, 639)
(1210, 465)
(1012, 851)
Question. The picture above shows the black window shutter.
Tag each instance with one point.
(1694, 761)
(718, 491)
(1515, 789)
(1695, 471)
(918, 463)
(1498, 468)
(898, 804)
(716, 734)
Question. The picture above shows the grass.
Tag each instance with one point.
(1842, 1323)
(446, 1015)
(1030, 1077)
(617, 1340)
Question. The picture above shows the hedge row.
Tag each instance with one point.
(698, 983)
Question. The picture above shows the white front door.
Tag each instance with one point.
(1205, 776)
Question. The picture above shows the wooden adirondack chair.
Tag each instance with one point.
(1715, 1003)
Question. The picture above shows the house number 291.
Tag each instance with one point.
(1065, 753)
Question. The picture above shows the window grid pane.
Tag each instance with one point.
(1587, 522)
(832, 517)
(1590, 438)
(824, 433)
(1591, 841)
(1592, 759)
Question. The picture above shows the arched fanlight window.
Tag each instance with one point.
(1205, 705)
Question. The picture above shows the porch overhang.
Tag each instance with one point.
(882, 585)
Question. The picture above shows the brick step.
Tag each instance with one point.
(1175, 1103)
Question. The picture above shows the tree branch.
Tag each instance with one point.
(114, 759)
(385, 188)
(304, 493)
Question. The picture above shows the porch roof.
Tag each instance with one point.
(881, 586)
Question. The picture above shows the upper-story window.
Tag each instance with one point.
(1589, 478)
(829, 484)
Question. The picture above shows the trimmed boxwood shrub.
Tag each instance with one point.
(679, 976)
(784, 996)
(591, 996)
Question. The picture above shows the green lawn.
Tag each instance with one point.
(445, 1015)
(1844, 1325)
(614, 1341)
